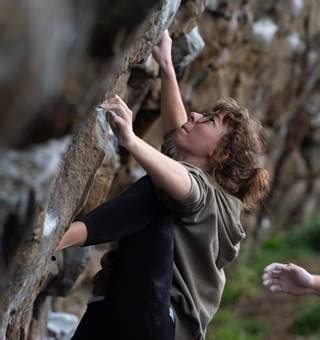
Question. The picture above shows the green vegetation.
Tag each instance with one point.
(242, 283)
(300, 244)
(307, 322)
(229, 327)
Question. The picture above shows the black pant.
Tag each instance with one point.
(138, 301)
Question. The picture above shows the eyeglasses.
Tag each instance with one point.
(209, 117)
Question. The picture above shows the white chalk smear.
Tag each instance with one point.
(62, 324)
(265, 29)
(49, 225)
(297, 6)
(294, 41)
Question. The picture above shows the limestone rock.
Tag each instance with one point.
(186, 48)
(26, 178)
(187, 17)
(61, 326)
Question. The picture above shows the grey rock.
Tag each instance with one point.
(26, 178)
(61, 326)
(74, 262)
(186, 48)
(29, 269)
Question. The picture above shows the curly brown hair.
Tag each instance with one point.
(236, 162)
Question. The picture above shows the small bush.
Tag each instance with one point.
(242, 283)
(272, 244)
(253, 327)
(227, 326)
(307, 236)
(307, 322)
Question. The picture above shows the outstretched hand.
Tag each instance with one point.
(162, 52)
(287, 278)
(120, 119)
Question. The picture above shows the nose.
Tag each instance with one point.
(194, 116)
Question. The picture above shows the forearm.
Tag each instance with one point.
(166, 173)
(316, 284)
(173, 112)
(76, 235)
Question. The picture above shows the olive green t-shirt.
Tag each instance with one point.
(207, 233)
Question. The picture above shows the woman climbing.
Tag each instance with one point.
(177, 227)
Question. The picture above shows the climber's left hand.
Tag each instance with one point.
(162, 52)
(120, 119)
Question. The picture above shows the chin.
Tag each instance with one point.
(178, 138)
(181, 145)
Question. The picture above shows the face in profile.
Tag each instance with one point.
(200, 135)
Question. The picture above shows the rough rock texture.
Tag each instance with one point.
(58, 156)
(186, 48)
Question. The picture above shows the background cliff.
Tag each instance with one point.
(59, 158)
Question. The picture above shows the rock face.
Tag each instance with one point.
(58, 156)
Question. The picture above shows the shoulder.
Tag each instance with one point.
(202, 178)
(226, 201)
(214, 194)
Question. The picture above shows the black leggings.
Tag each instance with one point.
(138, 301)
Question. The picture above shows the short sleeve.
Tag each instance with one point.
(195, 200)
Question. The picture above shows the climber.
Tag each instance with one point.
(187, 207)
(290, 279)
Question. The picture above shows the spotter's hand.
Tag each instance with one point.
(120, 119)
(287, 278)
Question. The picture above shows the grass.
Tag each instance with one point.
(227, 326)
(307, 321)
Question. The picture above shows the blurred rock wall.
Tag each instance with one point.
(58, 156)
